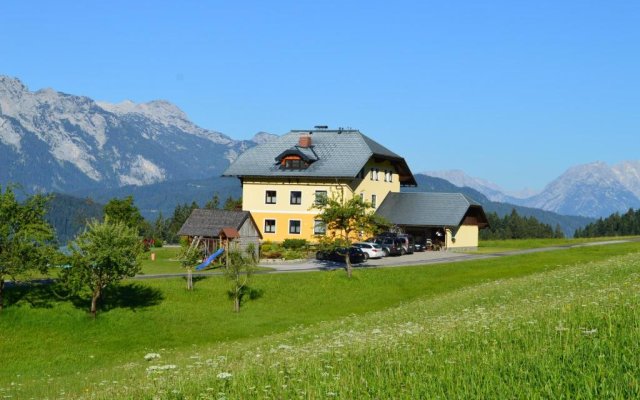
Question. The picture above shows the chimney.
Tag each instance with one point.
(304, 140)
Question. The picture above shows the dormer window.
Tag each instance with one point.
(293, 162)
(298, 157)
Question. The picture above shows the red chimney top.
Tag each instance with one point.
(304, 140)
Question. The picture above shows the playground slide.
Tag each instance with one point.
(210, 259)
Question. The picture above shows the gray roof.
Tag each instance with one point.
(209, 223)
(427, 209)
(340, 154)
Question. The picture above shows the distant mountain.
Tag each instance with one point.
(68, 215)
(569, 224)
(52, 141)
(165, 196)
(592, 190)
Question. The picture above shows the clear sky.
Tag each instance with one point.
(511, 91)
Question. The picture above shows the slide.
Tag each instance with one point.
(210, 259)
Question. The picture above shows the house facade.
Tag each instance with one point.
(282, 179)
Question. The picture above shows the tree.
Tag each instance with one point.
(347, 217)
(214, 203)
(232, 204)
(190, 254)
(25, 237)
(102, 256)
(125, 211)
(240, 267)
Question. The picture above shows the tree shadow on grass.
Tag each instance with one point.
(133, 296)
(37, 294)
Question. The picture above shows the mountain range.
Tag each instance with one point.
(53, 141)
(57, 142)
(590, 190)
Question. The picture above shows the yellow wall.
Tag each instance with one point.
(368, 187)
(254, 198)
(465, 237)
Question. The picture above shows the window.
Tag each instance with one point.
(293, 162)
(269, 226)
(374, 200)
(390, 176)
(296, 197)
(319, 228)
(374, 174)
(294, 227)
(321, 196)
(387, 176)
(270, 197)
(362, 196)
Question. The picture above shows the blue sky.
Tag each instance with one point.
(514, 92)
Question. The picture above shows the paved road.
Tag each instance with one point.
(422, 258)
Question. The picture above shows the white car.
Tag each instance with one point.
(371, 250)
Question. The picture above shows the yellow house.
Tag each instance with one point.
(282, 179)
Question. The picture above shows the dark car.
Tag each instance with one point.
(356, 255)
(419, 247)
(391, 246)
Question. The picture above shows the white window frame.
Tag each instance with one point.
(264, 225)
(319, 222)
(299, 227)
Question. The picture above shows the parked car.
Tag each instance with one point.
(405, 241)
(356, 255)
(391, 246)
(371, 250)
(418, 247)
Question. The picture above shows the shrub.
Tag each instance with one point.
(294, 244)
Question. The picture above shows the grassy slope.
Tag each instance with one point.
(47, 347)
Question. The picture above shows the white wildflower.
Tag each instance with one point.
(224, 375)
(151, 356)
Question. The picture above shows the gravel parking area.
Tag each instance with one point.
(419, 258)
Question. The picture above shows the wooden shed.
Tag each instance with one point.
(216, 227)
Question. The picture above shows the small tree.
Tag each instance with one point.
(123, 210)
(239, 270)
(190, 255)
(102, 256)
(25, 237)
(346, 217)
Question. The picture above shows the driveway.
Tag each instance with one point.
(419, 258)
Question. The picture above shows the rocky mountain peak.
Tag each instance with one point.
(83, 143)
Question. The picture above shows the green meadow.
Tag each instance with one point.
(561, 324)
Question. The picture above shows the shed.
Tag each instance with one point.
(214, 226)
(452, 220)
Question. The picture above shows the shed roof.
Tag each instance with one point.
(209, 223)
(429, 209)
(339, 154)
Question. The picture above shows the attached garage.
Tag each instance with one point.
(447, 220)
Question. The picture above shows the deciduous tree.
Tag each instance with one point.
(25, 237)
(103, 255)
(239, 269)
(347, 216)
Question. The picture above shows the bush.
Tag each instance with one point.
(294, 244)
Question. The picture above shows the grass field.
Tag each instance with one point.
(500, 246)
(553, 324)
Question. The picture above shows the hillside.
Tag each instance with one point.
(68, 215)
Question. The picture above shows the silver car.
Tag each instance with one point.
(371, 250)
